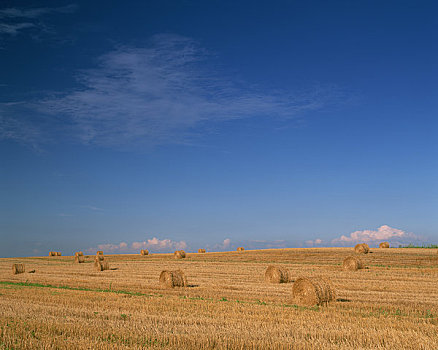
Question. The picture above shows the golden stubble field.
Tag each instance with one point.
(391, 305)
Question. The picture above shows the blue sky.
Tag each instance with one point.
(177, 125)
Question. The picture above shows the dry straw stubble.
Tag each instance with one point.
(171, 279)
(17, 268)
(313, 291)
(179, 254)
(362, 248)
(277, 274)
(352, 263)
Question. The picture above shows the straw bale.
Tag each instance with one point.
(200, 250)
(352, 263)
(144, 252)
(79, 259)
(179, 254)
(276, 274)
(171, 279)
(102, 265)
(240, 249)
(313, 291)
(384, 245)
(17, 268)
(362, 248)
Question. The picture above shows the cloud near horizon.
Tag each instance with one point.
(164, 92)
(154, 244)
(383, 233)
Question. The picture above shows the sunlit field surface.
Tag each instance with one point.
(393, 304)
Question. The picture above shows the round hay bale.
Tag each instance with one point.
(58, 253)
(179, 254)
(172, 279)
(98, 259)
(17, 268)
(201, 250)
(79, 259)
(384, 245)
(362, 248)
(313, 291)
(240, 249)
(102, 266)
(99, 252)
(144, 252)
(52, 253)
(79, 254)
(352, 264)
(276, 274)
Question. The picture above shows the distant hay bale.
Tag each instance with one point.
(171, 279)
(52, 253)
(313, 291)
(102, 265)
(352, 264)
(98, 259)
(144, 252)
(79, 254)
(17, 268)
(179, 254)
(240, 249)
(276, 274)
(99, 252)
(362, 248)
(384, 245)
(201, 250)
(58, 253)
(79, 259)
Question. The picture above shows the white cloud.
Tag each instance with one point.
(312, 243)
(112, 247)
(383, 233)
(154, 244)
(9, 18)
(226, 243)
(164, 93)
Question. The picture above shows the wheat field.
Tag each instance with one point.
(392, 304)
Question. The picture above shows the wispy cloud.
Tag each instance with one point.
(19, 128)
(164, 92)
(383, 233)
(14, 20)
(15, 12)
(154, 244)
(91, 207)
